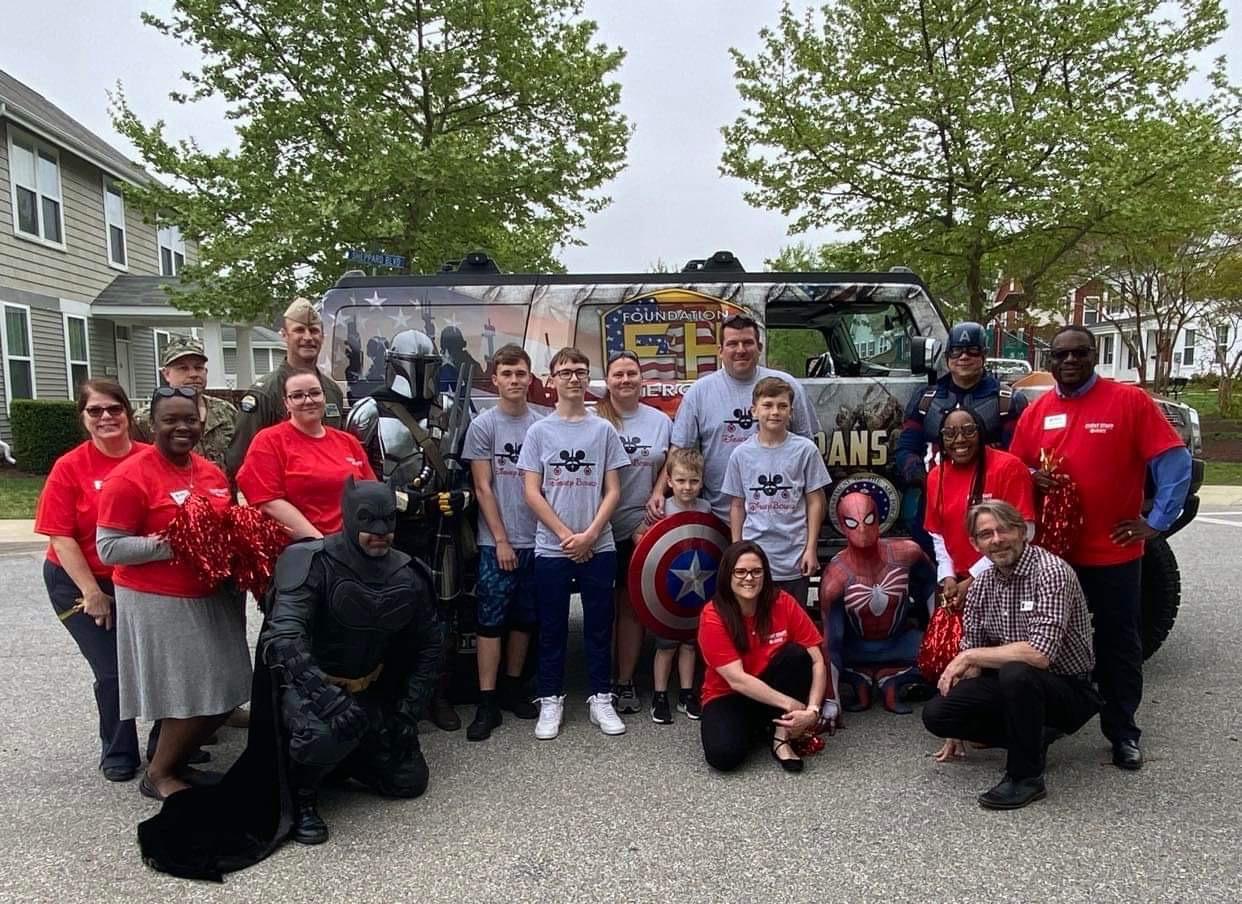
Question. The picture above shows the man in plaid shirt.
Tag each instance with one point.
(1026, 659)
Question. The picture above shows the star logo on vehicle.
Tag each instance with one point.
(374, 299)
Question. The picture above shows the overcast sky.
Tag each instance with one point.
(670, 203)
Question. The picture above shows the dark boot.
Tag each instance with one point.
(442, 714)
(513, 698)
(486, 720)
(308, 825)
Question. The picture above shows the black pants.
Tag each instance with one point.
(1114, 594)
(118, 739)
(732, 724)
(1009, 707)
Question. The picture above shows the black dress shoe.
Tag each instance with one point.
(1013, 793)
(486, 720)
(442, 715)
(790, 765)
(1126, 755)
(119, 773)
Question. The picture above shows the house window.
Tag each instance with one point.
(1188, 348)
(1107, 349)
(262, 358)
(1091, 310)
(18, 354)
(77, 352)
(35, 168)
(114, 223)
(1222, 340)
(161, 344)
(172, 250)
(1132, 357)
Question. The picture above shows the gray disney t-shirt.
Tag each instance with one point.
(644, 435)
(714, 417)
(572, 458)
(773, 483)
(497, 438)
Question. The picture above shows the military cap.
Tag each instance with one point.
(182, 347)
(302, 311)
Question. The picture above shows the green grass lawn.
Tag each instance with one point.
(18, 494)
(1223, 473)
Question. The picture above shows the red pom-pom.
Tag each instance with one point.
(941, 642)
(256, 541)
(198, 538)
(1060, 514)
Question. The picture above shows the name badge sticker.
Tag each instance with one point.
(1026, 606)
(180, 496)
(1055, 422)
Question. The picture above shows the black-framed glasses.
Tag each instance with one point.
(301, 395)
(965, 351)
(966, 431)
(168, 392)
(1064, 354)
(98, 411)
(743, 573)
(572, 373)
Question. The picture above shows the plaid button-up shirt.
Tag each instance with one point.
(1040, 603)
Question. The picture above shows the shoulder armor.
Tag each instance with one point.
(363, 419)
(295, 562)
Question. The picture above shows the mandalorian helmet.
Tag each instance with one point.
(413, 366)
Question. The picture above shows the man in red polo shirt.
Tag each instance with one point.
(1106, 436)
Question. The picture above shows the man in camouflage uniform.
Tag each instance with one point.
(185, 364)
(264, 404)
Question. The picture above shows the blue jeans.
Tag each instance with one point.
(555, 577)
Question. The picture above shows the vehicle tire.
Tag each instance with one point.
(1161, 594)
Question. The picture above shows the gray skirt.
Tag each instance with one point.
(178, 657)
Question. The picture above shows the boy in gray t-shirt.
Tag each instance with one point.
(775, 484)
(505, 590)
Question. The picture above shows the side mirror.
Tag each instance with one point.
(923, 352)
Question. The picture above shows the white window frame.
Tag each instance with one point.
(110, 183)
(155, 348)
(53, 151)
(1091, 303)
(1189, 338)
(1108, 349)
(175, 246)
(69, 359)
(5, 357)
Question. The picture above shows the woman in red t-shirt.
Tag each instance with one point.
(295, 471)
(182, 654)
(79, 585)
(968, 473)
(765, 671)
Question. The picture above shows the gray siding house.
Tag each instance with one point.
(81, 274)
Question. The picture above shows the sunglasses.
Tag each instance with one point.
(617, 356)
(98, 411)
(965, 352)
(1064, 354)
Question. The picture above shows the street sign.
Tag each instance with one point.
(376, 259)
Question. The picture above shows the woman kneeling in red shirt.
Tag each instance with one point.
(295, 471)
(765, 672)
(182, 655)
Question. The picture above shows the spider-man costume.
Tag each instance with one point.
(867, 594)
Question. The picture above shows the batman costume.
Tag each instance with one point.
(346, 661)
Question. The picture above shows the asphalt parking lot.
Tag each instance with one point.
(641, 818)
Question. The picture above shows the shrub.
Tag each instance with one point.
(43, 430)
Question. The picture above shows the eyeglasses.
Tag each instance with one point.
(298, 396)
(168, 392)
(743, 573)
(969, 351)
(98, 411)
(574, 373)
(966, 431)
(1064, 354)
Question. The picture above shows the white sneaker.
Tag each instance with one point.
(551, 711)
(604, 715)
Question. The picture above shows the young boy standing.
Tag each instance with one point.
(506, 539)
(685, 475)
(775, 480)
(570, 461)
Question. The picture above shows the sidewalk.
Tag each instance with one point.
(19, 536)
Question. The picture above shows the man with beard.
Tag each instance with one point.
(1024, 672)
(346, 662)
(264, 404)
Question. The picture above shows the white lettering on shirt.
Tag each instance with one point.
(777, 637)
(1099, 427)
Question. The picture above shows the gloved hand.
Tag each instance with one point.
(829, 718)
(454, 501)
(349, 721)
(404, 734)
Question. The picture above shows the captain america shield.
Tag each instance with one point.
(673, 572)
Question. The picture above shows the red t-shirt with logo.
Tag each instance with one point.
(69, 503)
(790, 624)
(1005, 478)
(1103, 440)
(141, 497)
(308, 472)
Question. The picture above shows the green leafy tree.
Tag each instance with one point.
(968, 140)
(424, 128)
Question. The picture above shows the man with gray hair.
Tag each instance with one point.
(1024, 670)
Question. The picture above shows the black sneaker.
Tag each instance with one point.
(688, 703)
(626, 698)
(513, 699)
(486, 720)
(661, 713)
